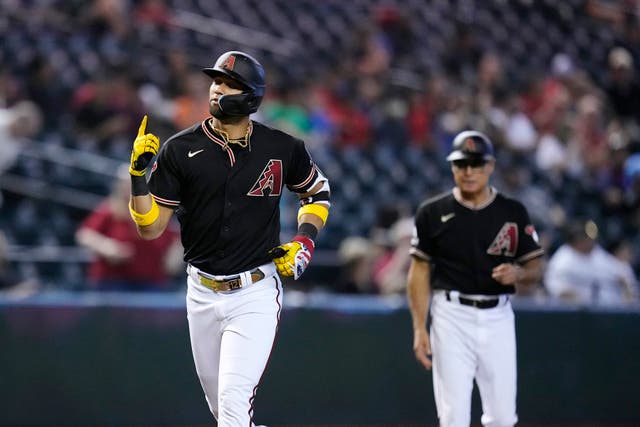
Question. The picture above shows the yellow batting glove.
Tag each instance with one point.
(291, 259)
(145, 146)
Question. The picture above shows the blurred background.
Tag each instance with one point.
(376, 89)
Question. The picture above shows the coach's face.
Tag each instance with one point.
(472, 175)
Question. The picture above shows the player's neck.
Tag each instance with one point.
(476, 198)
(232, 129)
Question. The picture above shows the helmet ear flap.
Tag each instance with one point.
(241, 104)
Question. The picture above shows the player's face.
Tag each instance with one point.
(221, 85)
(472, 176)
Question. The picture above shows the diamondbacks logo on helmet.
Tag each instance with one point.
(270, 181)
(469, 145)
(506, 242)
(229, 63)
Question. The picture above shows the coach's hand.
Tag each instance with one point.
(145, 146)
(422, 347)
(291, 259)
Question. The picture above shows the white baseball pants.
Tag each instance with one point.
(232, 336)
(469, 343)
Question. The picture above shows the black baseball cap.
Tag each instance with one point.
(472, 145)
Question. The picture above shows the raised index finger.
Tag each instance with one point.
(143, 126)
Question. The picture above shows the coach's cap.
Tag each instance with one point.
(471, 144)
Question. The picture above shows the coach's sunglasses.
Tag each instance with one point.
(465, 163)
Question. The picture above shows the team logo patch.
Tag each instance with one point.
(506, 242)
(229, 63)
(270, 181)
(531, 231)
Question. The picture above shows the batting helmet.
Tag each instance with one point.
(245, 70)
(471, 144)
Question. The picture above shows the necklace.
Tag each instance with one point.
(242, 141)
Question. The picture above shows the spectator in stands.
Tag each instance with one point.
(623, 251)
(153, 13)
(95, 117)
(583, 272)
(355, 255)
(462, 53)
(122, 260)
(191, 106)
(391, 275)
(623, 87)
(11, 282)
(18, 123)
(106, 18)
(588, 137)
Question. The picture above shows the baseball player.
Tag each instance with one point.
(471, 247)
(224, 178)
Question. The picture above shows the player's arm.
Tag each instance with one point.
(151, 219)
(524, 277)
(291, 259)
(419, 297)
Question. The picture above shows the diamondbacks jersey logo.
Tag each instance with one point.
(229, 63)
(270, 181)
(506, 242)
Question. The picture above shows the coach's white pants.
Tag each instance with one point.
(232, 335)
(467, 343)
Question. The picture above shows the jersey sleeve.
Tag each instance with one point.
(420, 246)
(529, 246)
(303, 174)
(164, 182)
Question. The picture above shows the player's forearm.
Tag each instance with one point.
(529, 274)
(418, 304)
(312, 219)
(418, 293)
(142, 211)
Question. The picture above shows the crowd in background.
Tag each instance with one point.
(376, 92)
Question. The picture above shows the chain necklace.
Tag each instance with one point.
(242, 142)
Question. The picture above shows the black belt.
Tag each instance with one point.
(483, 303)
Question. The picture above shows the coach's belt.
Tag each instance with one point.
(477, 303)
(226, 283)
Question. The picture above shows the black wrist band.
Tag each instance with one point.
(308, 230)
(139, 186)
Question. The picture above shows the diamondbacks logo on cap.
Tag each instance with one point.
(469, 145)
(270, 181)
(229, 63)
(506, 242)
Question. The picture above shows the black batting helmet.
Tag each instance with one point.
(246, 70)
(471, 144)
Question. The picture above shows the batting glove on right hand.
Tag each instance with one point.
(145, 147)
(291, 259)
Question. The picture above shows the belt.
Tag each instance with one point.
(477, 303)
(226, 283)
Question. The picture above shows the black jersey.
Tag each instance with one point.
(227, 197)
(464, 244)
